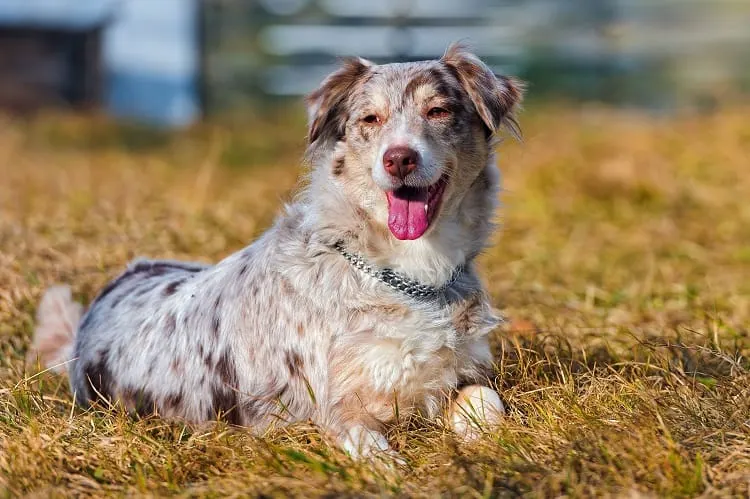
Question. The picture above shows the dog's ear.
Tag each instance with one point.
(326, 106)
(495, 97)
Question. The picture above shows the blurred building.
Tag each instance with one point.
(138, 59)
(50, 54)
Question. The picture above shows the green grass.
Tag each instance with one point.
(623, 266)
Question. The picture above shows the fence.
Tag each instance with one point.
(658, 53)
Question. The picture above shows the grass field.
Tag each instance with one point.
(623, 264)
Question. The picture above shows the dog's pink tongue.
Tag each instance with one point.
(407, 218)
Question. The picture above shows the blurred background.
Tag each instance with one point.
(175, 62)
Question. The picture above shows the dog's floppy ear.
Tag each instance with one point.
(495, 97)
(326, 105)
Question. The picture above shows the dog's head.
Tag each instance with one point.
(406, 142)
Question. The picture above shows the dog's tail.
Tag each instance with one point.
(57, 321)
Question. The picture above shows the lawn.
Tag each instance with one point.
(623, 266)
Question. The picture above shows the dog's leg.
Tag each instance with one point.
(475, 408)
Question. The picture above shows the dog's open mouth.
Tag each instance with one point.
(411, 210)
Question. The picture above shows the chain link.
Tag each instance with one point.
(397, 281)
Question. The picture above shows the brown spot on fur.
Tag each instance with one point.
(361, 213)
(172, 287)
(287, 287)
(467, 314)
(395, 310)
(338, 166)
(170, 324)
(300, 330)
(294, 363)
(176, 366)
(225, 368)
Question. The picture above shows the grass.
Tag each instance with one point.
(623, 264)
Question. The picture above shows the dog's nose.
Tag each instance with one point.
(400, 161)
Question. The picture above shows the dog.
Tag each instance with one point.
(361, 302)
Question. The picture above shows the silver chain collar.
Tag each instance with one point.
(397, 281)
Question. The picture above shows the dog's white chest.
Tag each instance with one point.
(413, 361)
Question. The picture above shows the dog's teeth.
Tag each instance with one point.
(425, 207)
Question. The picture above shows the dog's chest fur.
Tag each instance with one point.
(396, 357)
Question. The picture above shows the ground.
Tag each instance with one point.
(623, 267)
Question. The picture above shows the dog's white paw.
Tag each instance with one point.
(362, 443)
(359, 442)
(475, 408)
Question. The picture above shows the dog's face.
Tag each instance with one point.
(407, 141)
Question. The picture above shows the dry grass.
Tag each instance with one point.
(624, 264)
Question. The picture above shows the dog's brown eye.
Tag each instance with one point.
(438, 112)
(372, 119)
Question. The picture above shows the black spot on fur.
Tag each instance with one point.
(225, 395)
(139, 401)
(243, 270)
(143, 269)
(99, 378)
(157, 267)
(85, 321)
(144, 289)
(216, 323)
(111, 286)
(225, 405)
(208, 361)
(294, 363)
(118, 299)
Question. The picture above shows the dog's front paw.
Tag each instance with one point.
(359, 441)
(362, 443)
(476, 408)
